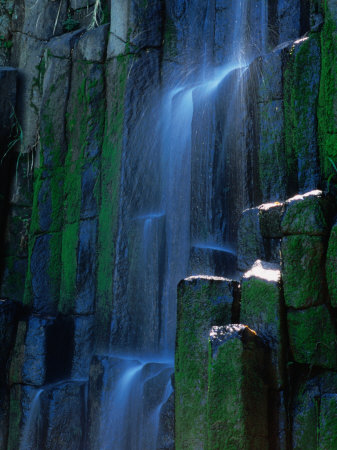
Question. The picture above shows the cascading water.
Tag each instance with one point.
(183, 185)
(191, 136)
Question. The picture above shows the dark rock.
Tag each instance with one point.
(270, 217)
(166, 426)
(27, 53)
(8, 80)
(210, 260)
(86, 267)
(8, 328)
(327, 421)
(44, 275)
(289, 19)
(13, 279)
(272, 159)
(237, 392)
(301, 84)
(28, 363)
(312, 337)
(21, 398)
(303, 259)
(331, 266)
(63, 405)
(21, 189)
(16, 237)
(202, 303)
(262, 309)
(55, 87)
(90, 181)
(78, 4)
(314, 412)
(83, 346)
(250, 242)
(270, 84)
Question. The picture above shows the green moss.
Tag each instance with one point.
(312, 337)
(331, 266)
(301, 88)
(328, 422)
(201, 304)
(237, 396)
(108, 215)
(271, 152)
(327, 109)
(303, 265)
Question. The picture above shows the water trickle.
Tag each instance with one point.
(29, 431)
(134, 404)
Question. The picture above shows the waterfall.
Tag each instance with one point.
(182, 155)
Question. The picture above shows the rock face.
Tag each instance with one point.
(237, 395)
(94, 195)
(202, 303)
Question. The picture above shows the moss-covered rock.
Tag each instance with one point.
(314, 411)
(272, 159)
(301, 88)
(270, 217)
(326, 113)
(305, 417)
(237, 392)
(303, 260)
(262, 309)
(309, 214)
(202, 303)
(331, 266)
(312, 337)
(328, 422)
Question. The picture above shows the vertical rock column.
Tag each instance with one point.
(202, 303)
(237, 389)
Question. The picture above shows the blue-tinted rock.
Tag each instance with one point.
(83, 346)
(64, 409)
(250, 242)
(272, 159)
(289, 19)
(86, 267)
(43, 299)
(21, 398)
(90, 181)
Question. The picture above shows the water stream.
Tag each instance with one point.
(177, 137)
(182, 189)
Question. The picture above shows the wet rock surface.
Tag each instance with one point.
(82, 163)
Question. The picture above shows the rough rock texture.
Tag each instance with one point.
(312, 337)
(73, 176)
(331, 265)
(303, 270)
(262, 309)
(202, 303)
(238, 392)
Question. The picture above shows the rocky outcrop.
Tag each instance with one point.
(86, 237)
(291, 321)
